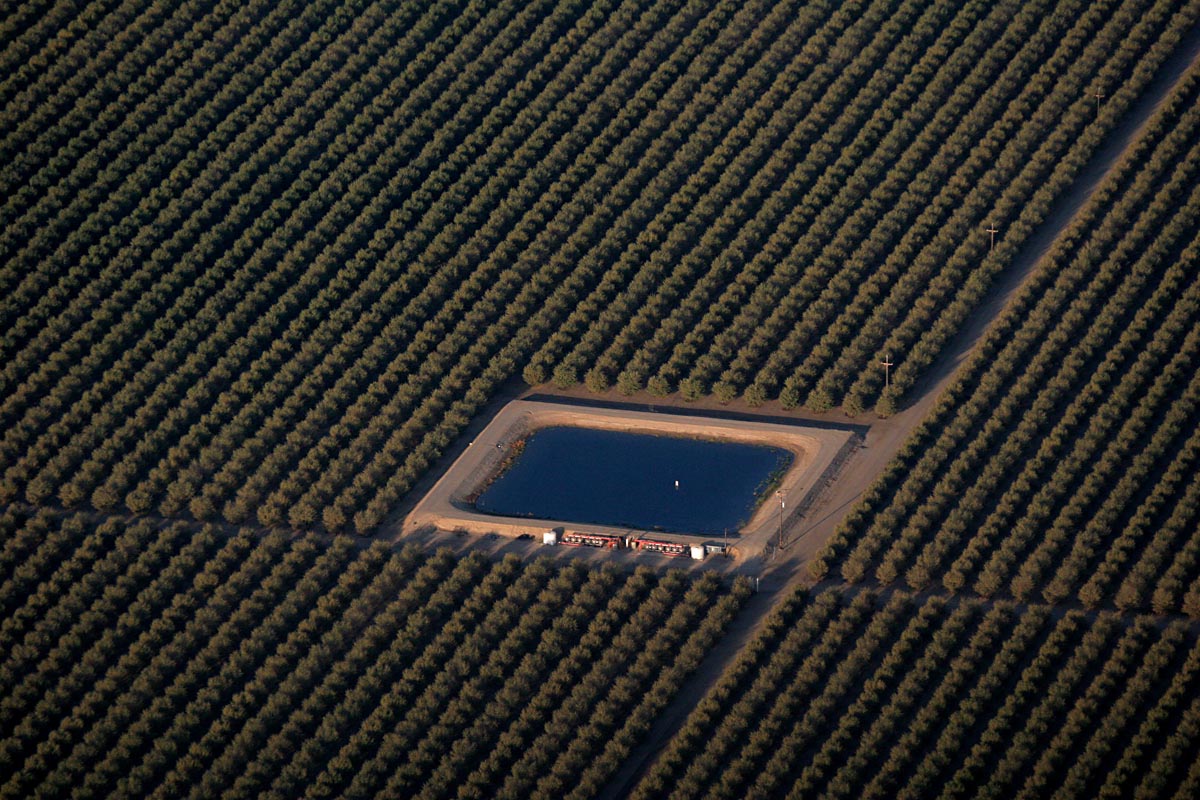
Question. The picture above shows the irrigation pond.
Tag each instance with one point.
(634, 480)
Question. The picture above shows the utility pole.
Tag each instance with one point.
(1097, 94)
(887, 371)
(782, 495)
(993, 230)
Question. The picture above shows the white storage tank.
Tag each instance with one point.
(698, 552)
(550, 537)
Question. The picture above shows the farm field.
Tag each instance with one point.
(1058, 467)
(1061, 463)
(263, 261)
(173, 662)
(897, 697)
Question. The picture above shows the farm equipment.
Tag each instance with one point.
(577, 539)
(660, 546)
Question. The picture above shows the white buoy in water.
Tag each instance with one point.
(676, 484)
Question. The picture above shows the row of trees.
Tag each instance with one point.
(927, 699)
(1062, 461)
(177, 662)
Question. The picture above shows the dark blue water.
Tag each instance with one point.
(628, 479)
